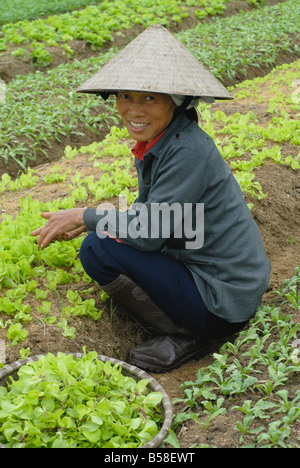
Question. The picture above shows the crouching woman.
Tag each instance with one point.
(187, 260)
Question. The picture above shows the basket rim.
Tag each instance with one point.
(140, 373)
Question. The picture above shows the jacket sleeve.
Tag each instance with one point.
(178, 183)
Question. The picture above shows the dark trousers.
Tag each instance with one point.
(167, 281)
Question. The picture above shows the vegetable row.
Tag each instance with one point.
(94, 24)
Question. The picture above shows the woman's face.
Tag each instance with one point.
(145, 115)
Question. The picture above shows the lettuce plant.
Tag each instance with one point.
(66, 402)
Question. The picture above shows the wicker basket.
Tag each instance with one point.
(127, 369)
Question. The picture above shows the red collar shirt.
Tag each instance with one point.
(142, 147)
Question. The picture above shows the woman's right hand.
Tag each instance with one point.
(61, 225)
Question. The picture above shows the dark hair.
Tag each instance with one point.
(192, 114)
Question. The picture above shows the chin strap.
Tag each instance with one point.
(185, 104)
(180, 109)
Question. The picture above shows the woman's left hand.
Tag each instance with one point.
(61, 225)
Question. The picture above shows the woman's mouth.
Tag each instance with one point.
(137, 125)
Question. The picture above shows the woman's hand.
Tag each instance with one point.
(61, 225)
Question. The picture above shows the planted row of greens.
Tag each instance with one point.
(96, 24)
(16, 10)
(29, 272)
(93, 24)
(26, 271)
(230, 45)
(42, 107)
(246, 140)
(259, 363)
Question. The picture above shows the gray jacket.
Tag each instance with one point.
(228, 261)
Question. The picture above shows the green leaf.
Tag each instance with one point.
(96, 419)
(60, 444)
(92, 437)
(60, 401)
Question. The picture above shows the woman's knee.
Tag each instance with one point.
(87, 254)
(98, 261)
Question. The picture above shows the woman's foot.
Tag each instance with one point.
(164, 353)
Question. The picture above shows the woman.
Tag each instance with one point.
(187, 260)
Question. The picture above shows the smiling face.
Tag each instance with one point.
(145, 115)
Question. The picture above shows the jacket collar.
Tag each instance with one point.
(177, 125)
(142, 147)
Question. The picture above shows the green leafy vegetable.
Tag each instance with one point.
(16, 333)
(63, 401)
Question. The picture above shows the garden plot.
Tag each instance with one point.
(48, 302)
(43, 113)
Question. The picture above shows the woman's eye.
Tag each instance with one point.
(149, 98)
(122, 96)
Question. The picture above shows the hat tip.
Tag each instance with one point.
(157, 27)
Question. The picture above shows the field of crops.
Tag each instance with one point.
(59, 149)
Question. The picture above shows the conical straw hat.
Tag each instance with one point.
(155, 61)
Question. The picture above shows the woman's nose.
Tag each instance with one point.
(136, 107)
